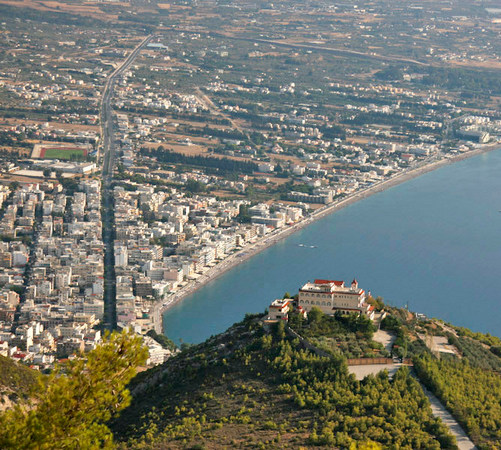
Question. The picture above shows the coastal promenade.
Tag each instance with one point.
(267, 241)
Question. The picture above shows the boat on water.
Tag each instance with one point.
(301, 245)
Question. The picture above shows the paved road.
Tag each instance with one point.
(110, 317)
(438, 410)
(463, 441)
(312, 47)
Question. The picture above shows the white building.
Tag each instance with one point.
(332, 296)
(95, 307)
(265, 167)
(279, 309)
(121, 257)
(19, 259)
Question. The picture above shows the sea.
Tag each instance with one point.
(431, 244)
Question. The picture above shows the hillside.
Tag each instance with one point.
(249, 388)
(16, 382)
(277, 386)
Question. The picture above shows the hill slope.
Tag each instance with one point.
(248, 388)
(16, 382)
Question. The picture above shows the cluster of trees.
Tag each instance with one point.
(377, 302)
(333, 131)
(289, 186)
(391, 323)
(225, 165)
(476, 353)
(458, 78)
(394, 413)
(250, 384)
(487, 339)
(244, 215)
(390, 73)
(11, 139)
(15, 379)
(350, 334)
(163, 340)
(73, 405)
(401, 344)
(473, 396)
(71, 185)
(216, 132)
(320, 324)
(363, 118)
(204, 116)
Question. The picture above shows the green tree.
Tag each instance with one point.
(195, 186)
(369, 445)
(315, 315)
(243, 214)
(163, 340)
(77, 400)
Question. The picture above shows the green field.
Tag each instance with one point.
(56, 153)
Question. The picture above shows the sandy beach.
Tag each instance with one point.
(276, 235)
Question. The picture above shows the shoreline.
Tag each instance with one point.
(271, 239)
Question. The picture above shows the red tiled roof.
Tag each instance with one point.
(337, 283)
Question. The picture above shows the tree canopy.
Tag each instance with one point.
(77, 400)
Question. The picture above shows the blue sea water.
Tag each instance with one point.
(433, 243)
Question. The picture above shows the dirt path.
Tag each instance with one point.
(385, 338)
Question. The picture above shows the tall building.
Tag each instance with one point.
(121, 257)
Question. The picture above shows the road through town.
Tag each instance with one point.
(108, 158)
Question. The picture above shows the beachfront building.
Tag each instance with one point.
(332, 296)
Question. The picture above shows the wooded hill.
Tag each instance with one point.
(257, 386)
(249, 388)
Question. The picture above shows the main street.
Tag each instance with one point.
(108, 157)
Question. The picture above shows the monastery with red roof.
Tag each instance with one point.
(333, 296)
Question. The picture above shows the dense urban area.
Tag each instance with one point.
(172, 151)
(145, 148)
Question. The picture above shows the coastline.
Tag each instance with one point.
(277, 235)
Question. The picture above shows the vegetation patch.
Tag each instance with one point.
(473, 396)
(248, 388)
(350, 335)
(16, 381)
